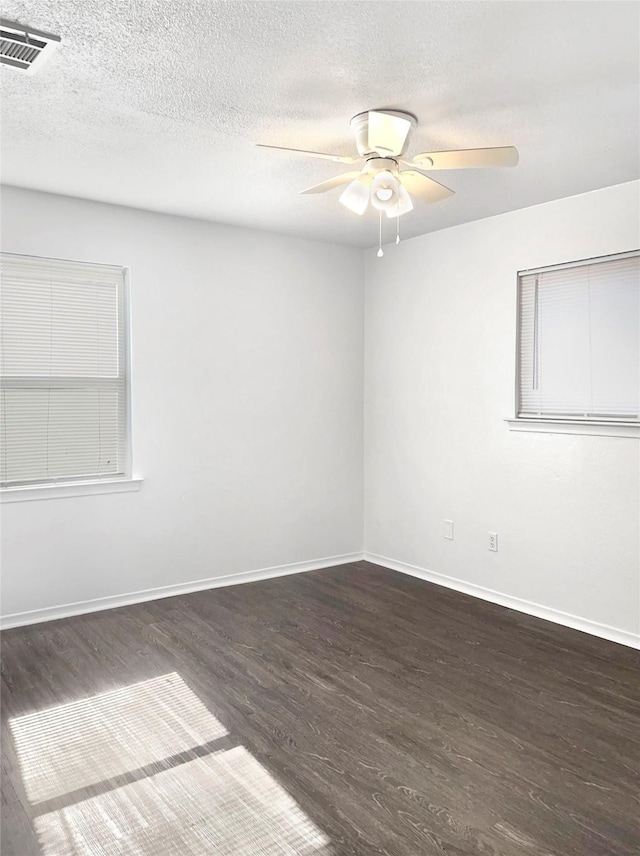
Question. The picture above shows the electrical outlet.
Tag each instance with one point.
(493, 542)
(448, 529)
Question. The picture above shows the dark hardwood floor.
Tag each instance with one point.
(351, 710)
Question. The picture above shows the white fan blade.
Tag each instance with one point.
(467, 158)
(387, 133)
(336, 181)
(424, 187)
(323, 155)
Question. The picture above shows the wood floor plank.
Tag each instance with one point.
(377, 713)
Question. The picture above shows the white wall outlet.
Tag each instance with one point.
(493, 542)
(448, 529)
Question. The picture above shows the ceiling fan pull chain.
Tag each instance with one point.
(380, 250)
(398, 223)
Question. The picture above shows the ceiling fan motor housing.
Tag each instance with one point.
(360, 126)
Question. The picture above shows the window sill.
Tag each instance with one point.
(575, 426)
(60, 490)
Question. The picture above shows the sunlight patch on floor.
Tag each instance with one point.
(225, 803)
(65, 748)
(161, 780)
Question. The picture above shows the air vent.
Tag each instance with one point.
(23, 48)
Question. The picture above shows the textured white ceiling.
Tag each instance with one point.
(157, 103)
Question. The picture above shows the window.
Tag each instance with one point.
(64, 386)
(579, 341)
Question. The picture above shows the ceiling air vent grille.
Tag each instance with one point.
(23, 48)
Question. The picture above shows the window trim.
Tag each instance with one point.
(558, 424)
(126, 332)
(96, 483)
(62, 489)
(607, 257)
(542, 425)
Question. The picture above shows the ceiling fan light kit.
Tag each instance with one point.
(382, 138)
(403, 205)
(384, 191)
(355, 196)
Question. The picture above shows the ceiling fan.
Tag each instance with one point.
(382, 137)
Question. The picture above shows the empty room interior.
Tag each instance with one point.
(319, 428)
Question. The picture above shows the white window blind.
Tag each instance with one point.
(579, 340)
(63, 394)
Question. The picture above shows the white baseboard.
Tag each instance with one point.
(604, 631)
(51, 613)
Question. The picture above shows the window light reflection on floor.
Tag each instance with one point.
(187, 789)
(225, 805)
(68, 747)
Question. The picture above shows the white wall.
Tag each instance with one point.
(247, 407)
(439, 368)
(247, 413)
